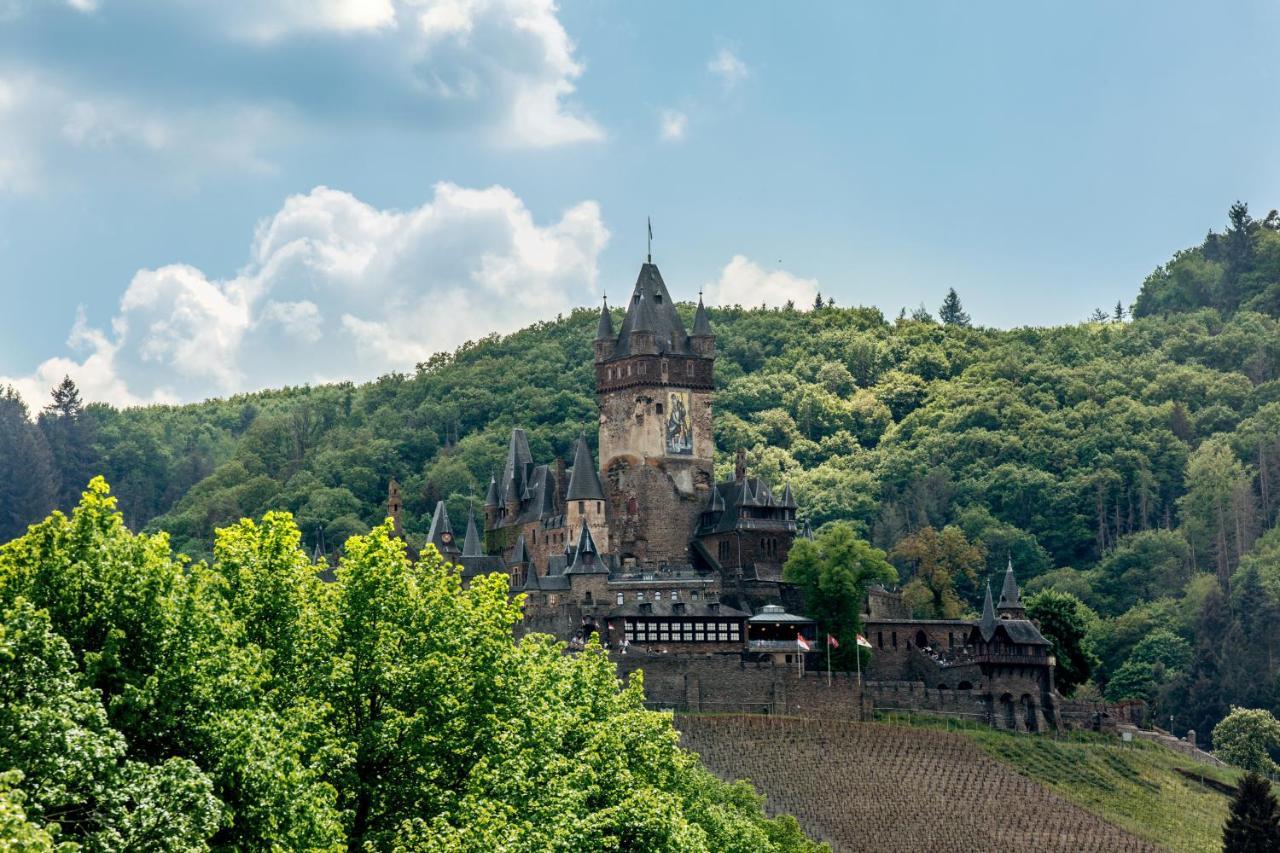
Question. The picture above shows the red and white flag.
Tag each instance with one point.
(864, 642)
(802, 642)
(832, 642)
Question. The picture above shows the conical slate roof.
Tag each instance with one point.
(652, 310)
(441, 532)
(987, 624)
(584, 481)
(604, 332)
(586, 557)
(1010, 595)
(788, 500)
(521, 552)
(491, 496)
(471, 546)
(701, 322)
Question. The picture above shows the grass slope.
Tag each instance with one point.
(1135, 786)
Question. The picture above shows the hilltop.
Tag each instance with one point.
(1129, 462)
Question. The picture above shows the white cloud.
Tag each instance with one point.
(44, 129)
(503, 69)
(335, 287)
(726, 65)
(672, 125)
(744, 282)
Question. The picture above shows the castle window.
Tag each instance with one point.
(658, 408)
(922, 639)
(599, 507)
(657, 595)
(586, 599)
(694, 595)
(640, 595)
(894, 636)
(628, 370)
(657, 297)
(675, 595)
(644, 368)
(582, 506)
(687, 629)
(688, 367)
(735, 632)
(880, 639)
(620, 598)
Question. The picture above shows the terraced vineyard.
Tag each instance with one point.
(881, 787)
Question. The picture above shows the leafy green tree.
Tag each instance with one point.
(1065, 622)
(1218, 508)
(1253, 824)
(935, 560)
(834, 570)
(952, 313)
(72, 765)
(1248, 738)
(1142, 567)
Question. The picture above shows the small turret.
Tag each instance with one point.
(586, 557)
(604, 333)
(987, 624)
(492, 504)
(702, 340)
(395, 508)
(471, 545)
(1010, 596)
(584, 480)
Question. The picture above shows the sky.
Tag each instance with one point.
(204, 198)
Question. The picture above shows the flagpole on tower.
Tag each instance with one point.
(828, 660)
(649, 222)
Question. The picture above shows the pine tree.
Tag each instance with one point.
(1253, 824)
(817, 301)
(922, 315)
(952, 312)
(1098, 316)
(27, 480)
(1118, 313)
(69, 433)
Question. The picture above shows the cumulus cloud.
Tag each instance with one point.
(672, 125)
(505, 69)
(728, 67)
(744, 282)
(335, 287)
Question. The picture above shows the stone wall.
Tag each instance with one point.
(728, 683)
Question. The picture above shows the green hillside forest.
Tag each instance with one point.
(1131, 460)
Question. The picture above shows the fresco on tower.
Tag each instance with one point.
(679, 424)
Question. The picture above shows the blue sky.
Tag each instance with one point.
(202, 198)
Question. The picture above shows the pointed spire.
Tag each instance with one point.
(441, 532)
(1011, 596)
(531, 579)
(604, 332)
(586, 557)
(701, 322)
(987, 624)
(584, 481)
(471, 546)
(788, 500)
(521, 552)
(807, 530)
(491, 496)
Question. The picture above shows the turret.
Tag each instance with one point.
(584, 496)
(604, 333)
(471, 544)
(492, 505)
(1011, 597)
(395, 508)
(702, 340)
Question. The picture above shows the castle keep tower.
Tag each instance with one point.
(653, 384)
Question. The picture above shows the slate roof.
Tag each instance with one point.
(676, 609)
(471, 544)
(441, 532)
(723, 511)
(1010, 595)
(1021, 631)
(701, 322)
(586, 556)
(604, 331)
(773, 614)
(584, 480)
(651, 309)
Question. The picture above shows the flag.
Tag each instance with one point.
(864, 642)
(802, 642)
(832, 642)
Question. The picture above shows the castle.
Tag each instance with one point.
(650, 553)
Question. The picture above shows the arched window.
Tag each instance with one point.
(922, 639)
(619, 599)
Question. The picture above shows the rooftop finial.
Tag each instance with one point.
(649, 222)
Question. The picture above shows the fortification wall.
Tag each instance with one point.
(728, 683)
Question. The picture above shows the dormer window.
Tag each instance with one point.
(646, 608)
(657, 297)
